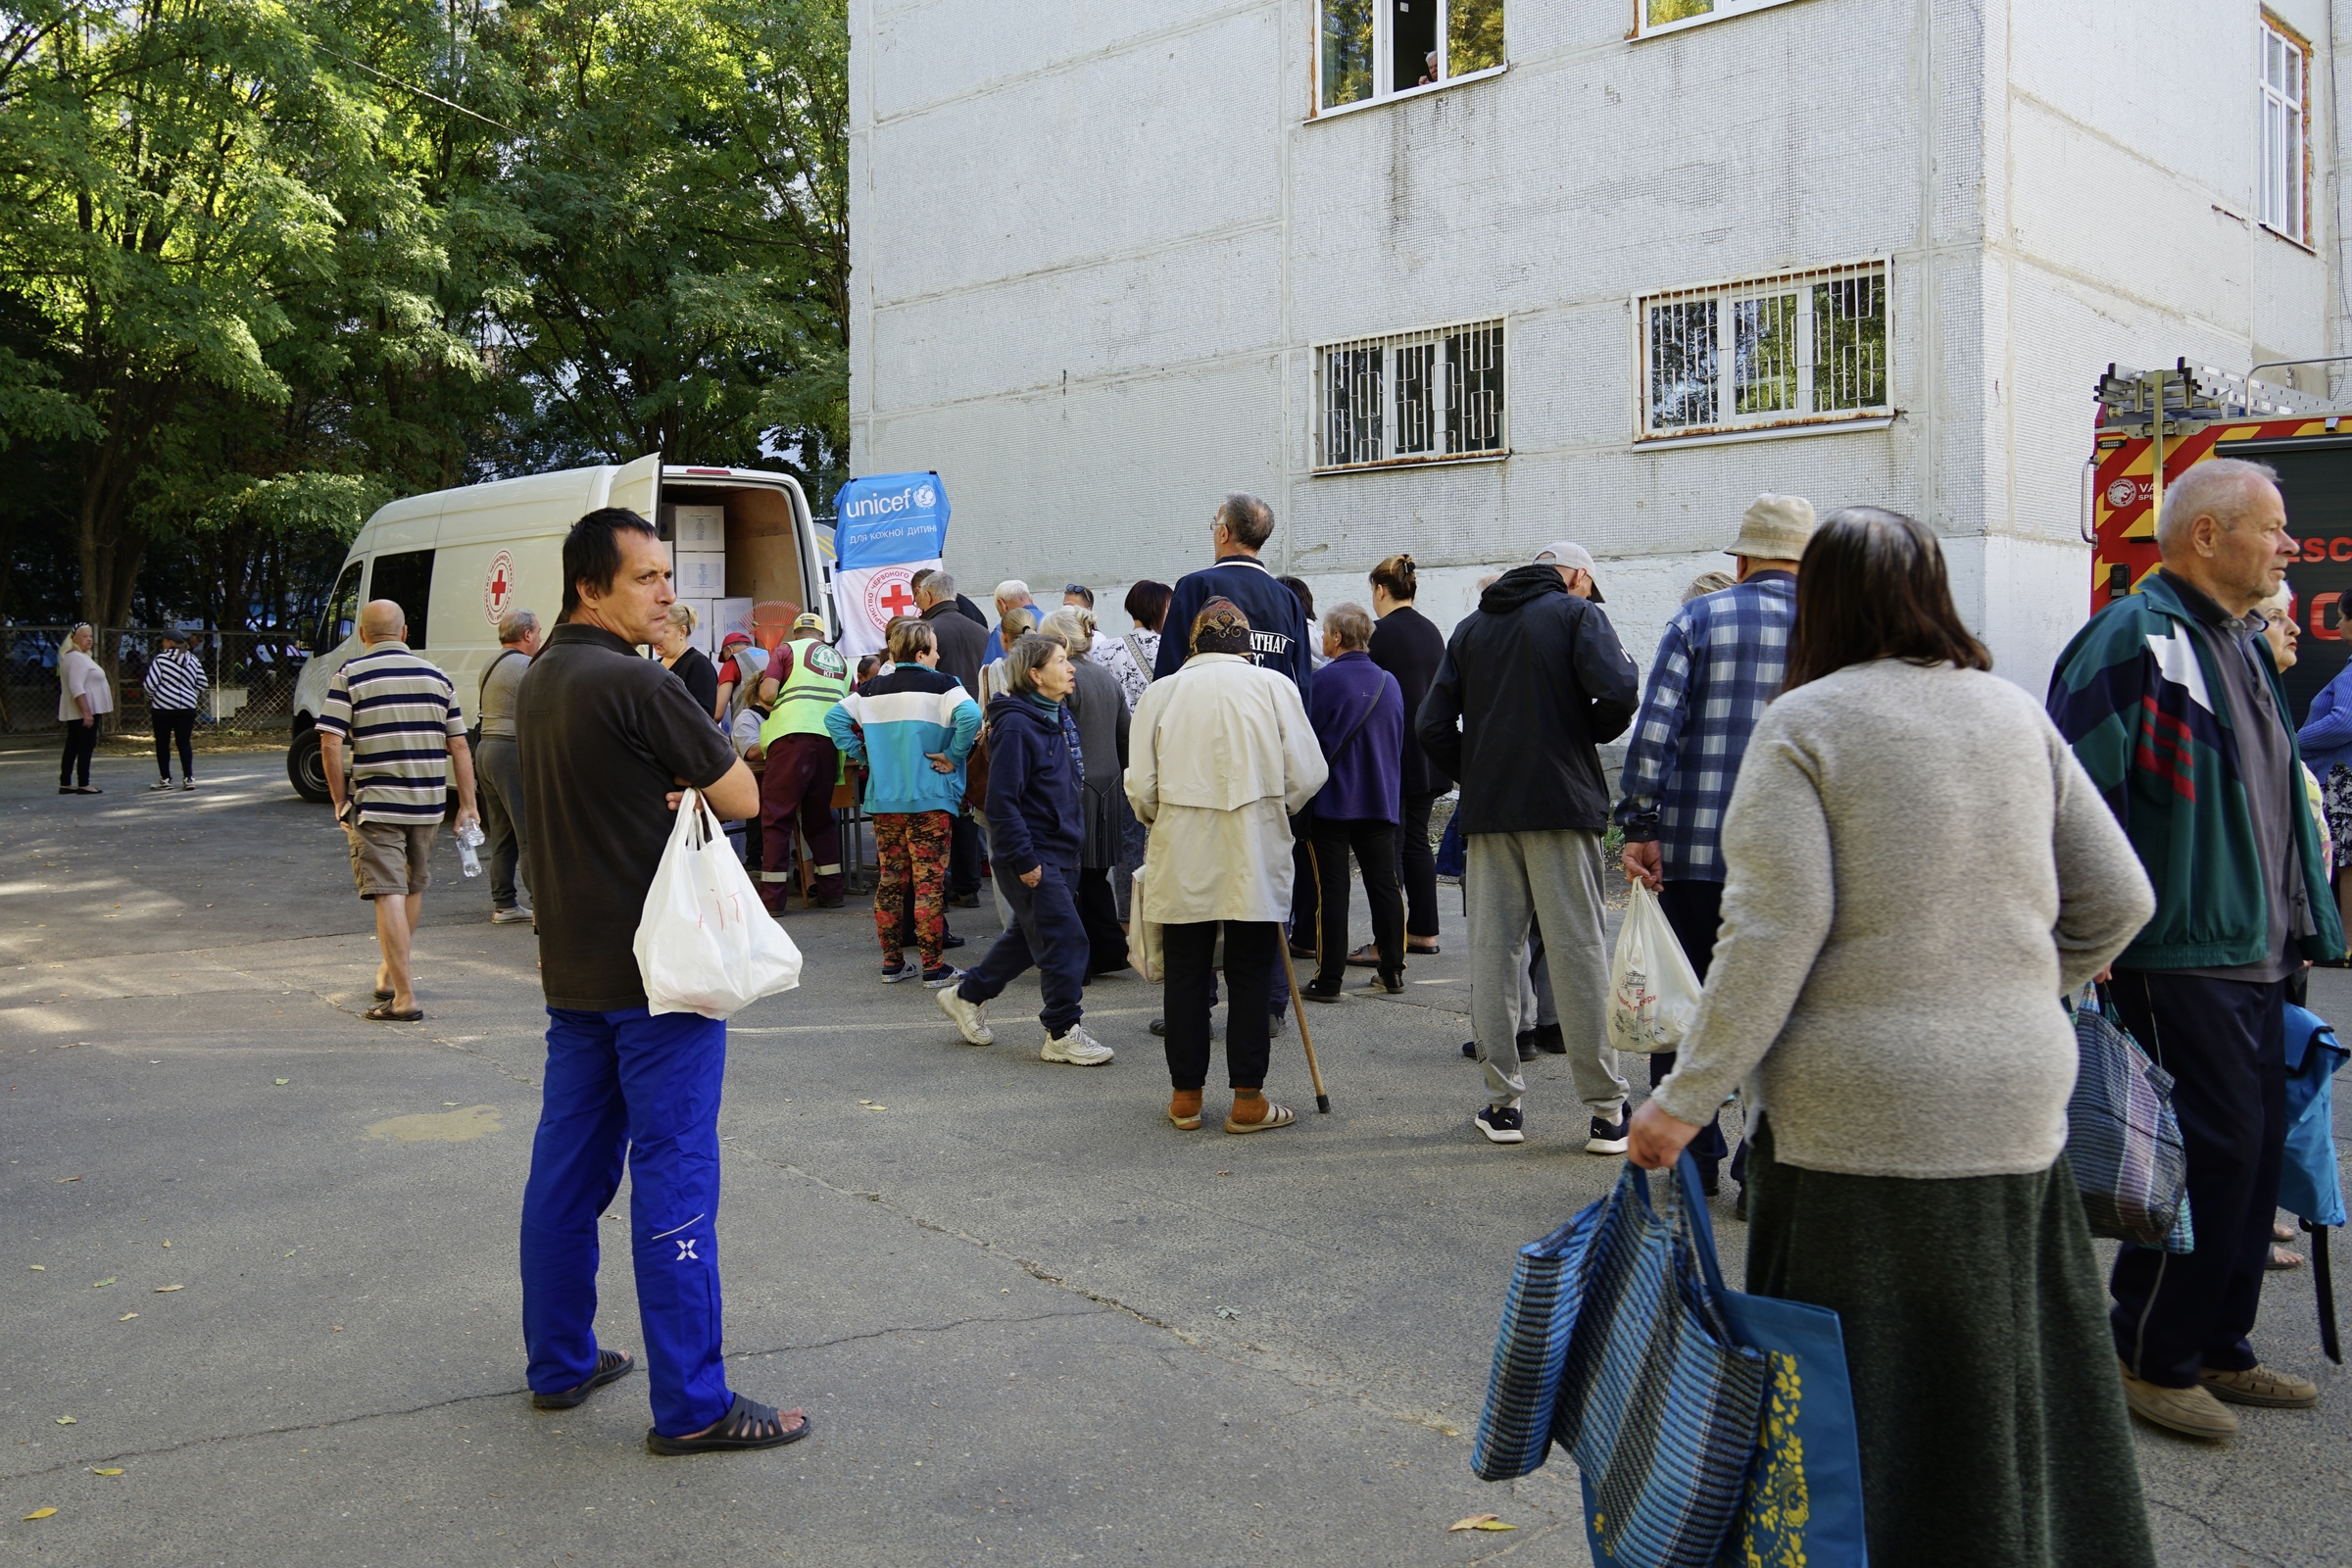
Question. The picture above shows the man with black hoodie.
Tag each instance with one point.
(1534, 679)
(1036, 773)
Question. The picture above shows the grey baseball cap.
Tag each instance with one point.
(1568, 552)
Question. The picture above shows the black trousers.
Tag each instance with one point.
(1417, 868)
(963, 858)
(81, 743)
(2225, 1044)
(1375, 847)
(1251, 960)
(1098, 913)
(1695, 910)
(174, 724)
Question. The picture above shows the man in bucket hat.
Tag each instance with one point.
(1720, 662)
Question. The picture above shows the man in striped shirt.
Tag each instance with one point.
(174, 681)
(399, 716)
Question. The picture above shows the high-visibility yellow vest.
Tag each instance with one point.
(814, 679)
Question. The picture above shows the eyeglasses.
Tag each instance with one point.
(1076, 588)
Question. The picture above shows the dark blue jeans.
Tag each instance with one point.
(629, 1082)
(2225, 1044)
(1046, 931)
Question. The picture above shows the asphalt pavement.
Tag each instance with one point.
(259, 1255)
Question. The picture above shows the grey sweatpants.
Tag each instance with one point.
(1515, 879)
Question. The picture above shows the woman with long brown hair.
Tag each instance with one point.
(1916, 870)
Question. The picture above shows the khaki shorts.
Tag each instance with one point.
(391, 859)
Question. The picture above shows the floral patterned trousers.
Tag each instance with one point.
(912, 848)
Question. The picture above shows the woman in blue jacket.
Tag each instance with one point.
(1036, 773)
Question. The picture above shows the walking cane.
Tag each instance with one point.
(2322, 1277)
(1298, 1007)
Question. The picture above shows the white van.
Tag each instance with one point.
(457, 560)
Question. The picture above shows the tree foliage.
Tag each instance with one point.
(265, 263)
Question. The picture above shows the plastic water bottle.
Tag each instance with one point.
(470, 841)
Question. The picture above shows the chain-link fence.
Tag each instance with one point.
(251, 676)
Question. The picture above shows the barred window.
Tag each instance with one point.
(1411, 396)
(1368, 49)
(1797, 348)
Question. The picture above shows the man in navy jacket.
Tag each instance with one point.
(1277, 624)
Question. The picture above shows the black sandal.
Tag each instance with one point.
(749, 1424)
(611, 1367)
(386, 1013)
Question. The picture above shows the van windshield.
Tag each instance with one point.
(342, 612)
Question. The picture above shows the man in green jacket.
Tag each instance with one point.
(2171, 701)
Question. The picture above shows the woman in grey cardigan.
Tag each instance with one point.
(1100, 704)
(1917, 871)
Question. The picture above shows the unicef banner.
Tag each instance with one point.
(887, 528)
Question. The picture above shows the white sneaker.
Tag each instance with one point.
(514, 915)
(159, 784)
(972, 1017)
(1076, 1048)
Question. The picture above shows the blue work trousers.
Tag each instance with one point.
(1046, 931)
(648, 1088)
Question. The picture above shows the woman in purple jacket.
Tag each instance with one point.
(1357, 709)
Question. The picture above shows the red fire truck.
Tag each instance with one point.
(2154, 426)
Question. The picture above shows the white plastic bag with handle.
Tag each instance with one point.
(704, 942)
(1653, 991)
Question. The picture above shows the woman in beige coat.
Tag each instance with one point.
(1221, 756)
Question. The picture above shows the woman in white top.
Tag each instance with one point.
(82, 694)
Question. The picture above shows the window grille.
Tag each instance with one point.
(1367, 49)
(1411, 396)
(2282, 133)
(1797, 348)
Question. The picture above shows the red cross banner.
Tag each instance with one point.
(889, 528)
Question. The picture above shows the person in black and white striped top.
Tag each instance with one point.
(175, 683)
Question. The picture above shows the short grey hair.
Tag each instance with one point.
(1012, 591)
(939, 585)
(1022, 659)
(1352, 624)
(1075, 626)
(1248, 520)
(2220, 488)
(514, 625)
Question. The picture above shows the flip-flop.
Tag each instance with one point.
(1276, 1117)
(1185, 1124)
(611, 1367)
(743, 1428)
(386, 1013)
(380, 996)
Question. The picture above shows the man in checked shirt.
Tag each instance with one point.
(1720, 662)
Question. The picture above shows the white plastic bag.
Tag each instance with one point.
(1653, 991)
(1142, 946)
(704, 942)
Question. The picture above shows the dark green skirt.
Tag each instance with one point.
(1992, 1425)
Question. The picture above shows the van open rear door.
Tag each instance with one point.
(638, 486)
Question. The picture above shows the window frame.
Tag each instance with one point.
(1727, 295)
(1383, 62)
(2267, 98)
(1435, 372)
(1723, 11)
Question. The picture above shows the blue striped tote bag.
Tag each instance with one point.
(1514, 1431)
(2123, 1140)
(1659, 1402)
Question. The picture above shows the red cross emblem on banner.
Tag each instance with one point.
(898, 600)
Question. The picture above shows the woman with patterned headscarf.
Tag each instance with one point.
(1221, 758)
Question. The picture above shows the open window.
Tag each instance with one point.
(406, 579)
(1367, 49)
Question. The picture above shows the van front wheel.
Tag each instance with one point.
(306, 769)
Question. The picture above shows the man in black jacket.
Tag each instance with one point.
(1536, 680)
(962, 635)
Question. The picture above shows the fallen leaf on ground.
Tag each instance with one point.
(66, 1421)
(166, 1290)
(1479, 1521)
(113, 1472)
(166, 1244)
(62, 1180)
(38, 1268)
(38, 1513)
(1228, 1313)
(127, 1317)
(282, 1082)
(100, 1285)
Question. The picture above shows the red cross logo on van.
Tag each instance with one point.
(498, 588)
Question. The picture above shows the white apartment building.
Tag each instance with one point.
(1460, 278)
